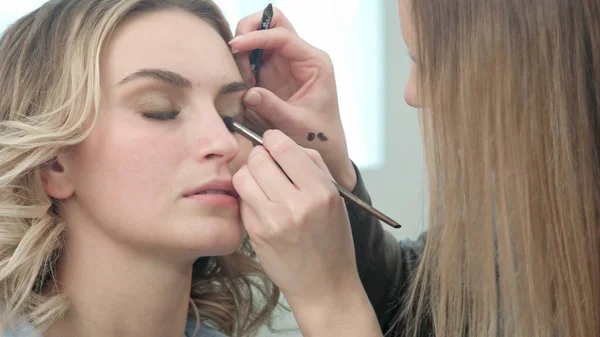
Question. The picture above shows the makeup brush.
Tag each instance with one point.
(257, 54)
(234, 126)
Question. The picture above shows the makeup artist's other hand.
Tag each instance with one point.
(297, 90)
(299, 230)
(302, 238)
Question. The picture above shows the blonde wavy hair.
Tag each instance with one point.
(49, 90)
(511, 123)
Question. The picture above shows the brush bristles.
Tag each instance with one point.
(229, 123)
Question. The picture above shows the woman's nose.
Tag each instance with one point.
(215, 140)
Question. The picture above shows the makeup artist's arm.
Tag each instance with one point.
(302, 237)
(384, 264)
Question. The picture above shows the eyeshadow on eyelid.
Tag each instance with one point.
(153, 101)
(231, 110)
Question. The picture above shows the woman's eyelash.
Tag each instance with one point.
(161, 116)
(240, 116)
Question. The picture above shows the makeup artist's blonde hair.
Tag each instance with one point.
(49, 89)
(512, 131)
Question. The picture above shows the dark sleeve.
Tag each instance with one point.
(384, 264)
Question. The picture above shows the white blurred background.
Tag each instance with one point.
(372, 65)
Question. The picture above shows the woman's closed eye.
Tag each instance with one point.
(161, 116)
(157, 106)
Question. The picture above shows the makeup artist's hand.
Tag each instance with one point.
(296, 92)
(302, 237)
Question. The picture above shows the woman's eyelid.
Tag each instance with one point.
(234, 108)
(159, 105)
(156, 102)
(161, 115)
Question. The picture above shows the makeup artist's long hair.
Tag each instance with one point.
(49, 89)
(512, 133)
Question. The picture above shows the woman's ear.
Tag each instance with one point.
(56, 181)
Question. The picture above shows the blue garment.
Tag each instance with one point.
(26, 330)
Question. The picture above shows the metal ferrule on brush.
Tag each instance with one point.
(233, 126)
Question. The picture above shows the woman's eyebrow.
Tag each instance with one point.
(176, 80)
(233, 87)
(167, 77)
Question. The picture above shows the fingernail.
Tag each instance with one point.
(253, 98)
(234, 51)
(235, 39)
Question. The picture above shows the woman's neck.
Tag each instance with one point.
(115, 291)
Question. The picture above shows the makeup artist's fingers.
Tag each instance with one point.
(253, 202)
(250, 218)
(296, 163)
(269, 106)
(250, 24)
(283, 40)
(306, 234)
(249, 190)
(316, 157)
(242, 60)
(252, 21)
(268, 175)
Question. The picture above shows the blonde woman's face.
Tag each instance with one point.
(156, 171)
(410, 91)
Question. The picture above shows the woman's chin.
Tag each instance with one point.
(216, 237)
